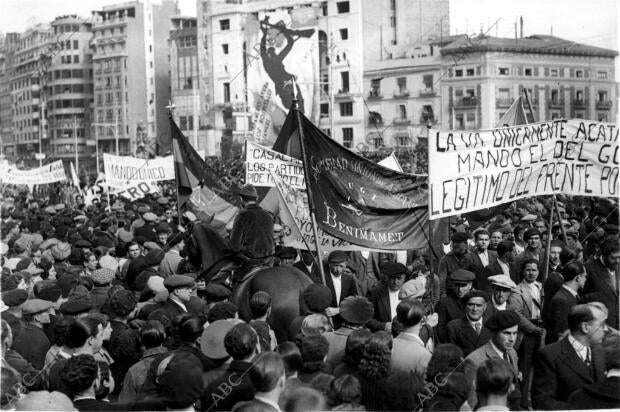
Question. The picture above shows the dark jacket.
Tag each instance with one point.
(463, 335)
(252, 232)
(448, 308)
(170, 308)
(238, 386)
(600, 395)
(348, 288)
(476, 264)
(556, 314)
(599, 288)
(559, 371)
(495, 269)
(379, 296)
(32, 343)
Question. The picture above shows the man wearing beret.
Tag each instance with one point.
(451, 307)
(458, 258)
(384, 296)
(469, 332)
(340, 284)
(32, 343)
(503, 326)
(286, 256)
(252, 232)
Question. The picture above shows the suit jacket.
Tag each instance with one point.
(463, 335)
(170, 308)
(556, 314)
(476, 358)
(32, 343)
(599, 288)
(337, 340)
(214, 398)
(409, 355)
(492, 270)
(559, 371)
(314, 272)
(523, 303)
(476, 264)
(379, 296)
(600, 395)
(551, 285)
(348, 288)
(448, 308)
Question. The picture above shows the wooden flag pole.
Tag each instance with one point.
(170, 109)
(310, 201)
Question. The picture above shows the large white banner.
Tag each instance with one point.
(261, 163)
(471, 170)
(50, 173)
(125, 171)
(283, 62)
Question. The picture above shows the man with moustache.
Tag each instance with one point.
(501, 287)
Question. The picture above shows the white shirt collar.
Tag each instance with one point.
(572, 292)
(268, 402)
(182, 305)
(581, 349)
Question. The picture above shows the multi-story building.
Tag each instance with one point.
(131, 77)
(8, 45)
(482, 76)
(184, 85)
(29, 104)
(70, 93)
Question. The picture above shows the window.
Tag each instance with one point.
(553, 72)
(342, 7)
(327, 132)
(555, 96)
(579, 115)
(392, 21)
(602, 117)
(601, 75)
(579, 96)
(470, 72)
(344, 34)
(428, 82)
(225, 48)
(190, 122)
(579, 74)
(347, 137)
(375, 88)
(226, 92)
(76, 44)
(601, 96)
(401, 82)
(402, 112)
(458, 73)
(76, 59)
(344, 80)
(458, 92)
(324, 109)
(392, 5)
(504, 71)
(183, 123)
(471, 121)
(225, 24)
(460, 122)
(503, 96)
(528, 71)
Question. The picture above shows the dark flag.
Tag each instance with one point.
(353, 198)
(199, 186)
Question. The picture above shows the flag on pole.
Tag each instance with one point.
(199, 186)
(391, 162)
(75, 180)
(515, 115)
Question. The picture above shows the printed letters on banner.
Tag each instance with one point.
(137, 191)
(261, 162)
(471, 170)
(50, 173)
(123, 171)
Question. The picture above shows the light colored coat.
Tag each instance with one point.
(409, 355)
(522, 303)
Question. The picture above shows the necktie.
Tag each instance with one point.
(477, 327)
(587, 356)
(506, 357)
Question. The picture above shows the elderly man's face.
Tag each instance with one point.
(500, 295)
(475, 307)
(554, 255)
(461, 288)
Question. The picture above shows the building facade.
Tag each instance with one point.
(69, 94)
(131, 77)
(564, 79)
(8, 45)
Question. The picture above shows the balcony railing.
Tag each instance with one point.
(401, 94)
(375, 94)
(401, 121)
(603, 104)
(503, 102)
(467, 101)
(428, 92)
(556, 104)
(579, 103)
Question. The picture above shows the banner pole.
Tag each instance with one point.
(548, 251)
(170, 108)
(310, 200)
(557, 210)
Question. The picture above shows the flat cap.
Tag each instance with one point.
(48, 243)
(474, 294)
(21, 244)
(50, 210)
(287, 253)
(413, 288)
(462, 275)
(163, 227)
(501, 320)
(151, 246)
(108, 262)
(149, 216)
(393, 269)
(216, 292)
(34, 306)
(178, 281)
(502, 281)
(317, 297)
(531, 232)
(459, 237)
(529, 217)
(14, 297)
(102, 276)
(162, 200)
(356, 310)
(84, 244)
(79, 218)
(61, 250)
(337, 256)
(247, 190)
(154, 257)
(506, 229)
(212, 340)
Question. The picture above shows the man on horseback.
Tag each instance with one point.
(252, 233)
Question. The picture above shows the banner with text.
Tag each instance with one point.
(50, 173)
(124, 171)
(262, 163)
(471, 170)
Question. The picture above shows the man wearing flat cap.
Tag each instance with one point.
(504, 264)
(286, 256)
(385, 296)
(458, 258)
(469, 332)
(252, 231)
(503, 326)
(340, 284)
(501, 287)
(32, 343)
(451, 307)
(148, 229)
(180, 289)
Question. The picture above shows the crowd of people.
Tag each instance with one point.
(102, 310)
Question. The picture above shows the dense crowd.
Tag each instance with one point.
(102, 309)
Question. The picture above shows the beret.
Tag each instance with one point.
(413, 288)
(506, 229)
(212, 340)
(162, 200)
(14, 297)
(216, 292)
(125, 236)
(21, 244)
(49, 291)
(462, 275)
(393, 269)
(83, 243)
(337, 256)
(102, 276)
(48, 243)
(247, 190)
(34, 306)
(459, 237)
(122, 302)
(287, 253)
(151, 246)
(108, 262)
(475, 293)
(143, 208)
(154, 257)
(502, 281)
(178, 281)
(79, 302)
(149, 216)
(501, 320)
(61, 251)
(531, 232)
(356, 310)
(529, 217)
(317, 297)
(163, 227)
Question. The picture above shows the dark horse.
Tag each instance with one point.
(207, 251)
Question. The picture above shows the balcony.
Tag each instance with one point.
(503, 102)
(401, 94)
(579, 103)
(401, 121)
(467, 101)
(556, 104)
(428, 92)
(604, 104)
(375, 95)
(375, 122)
